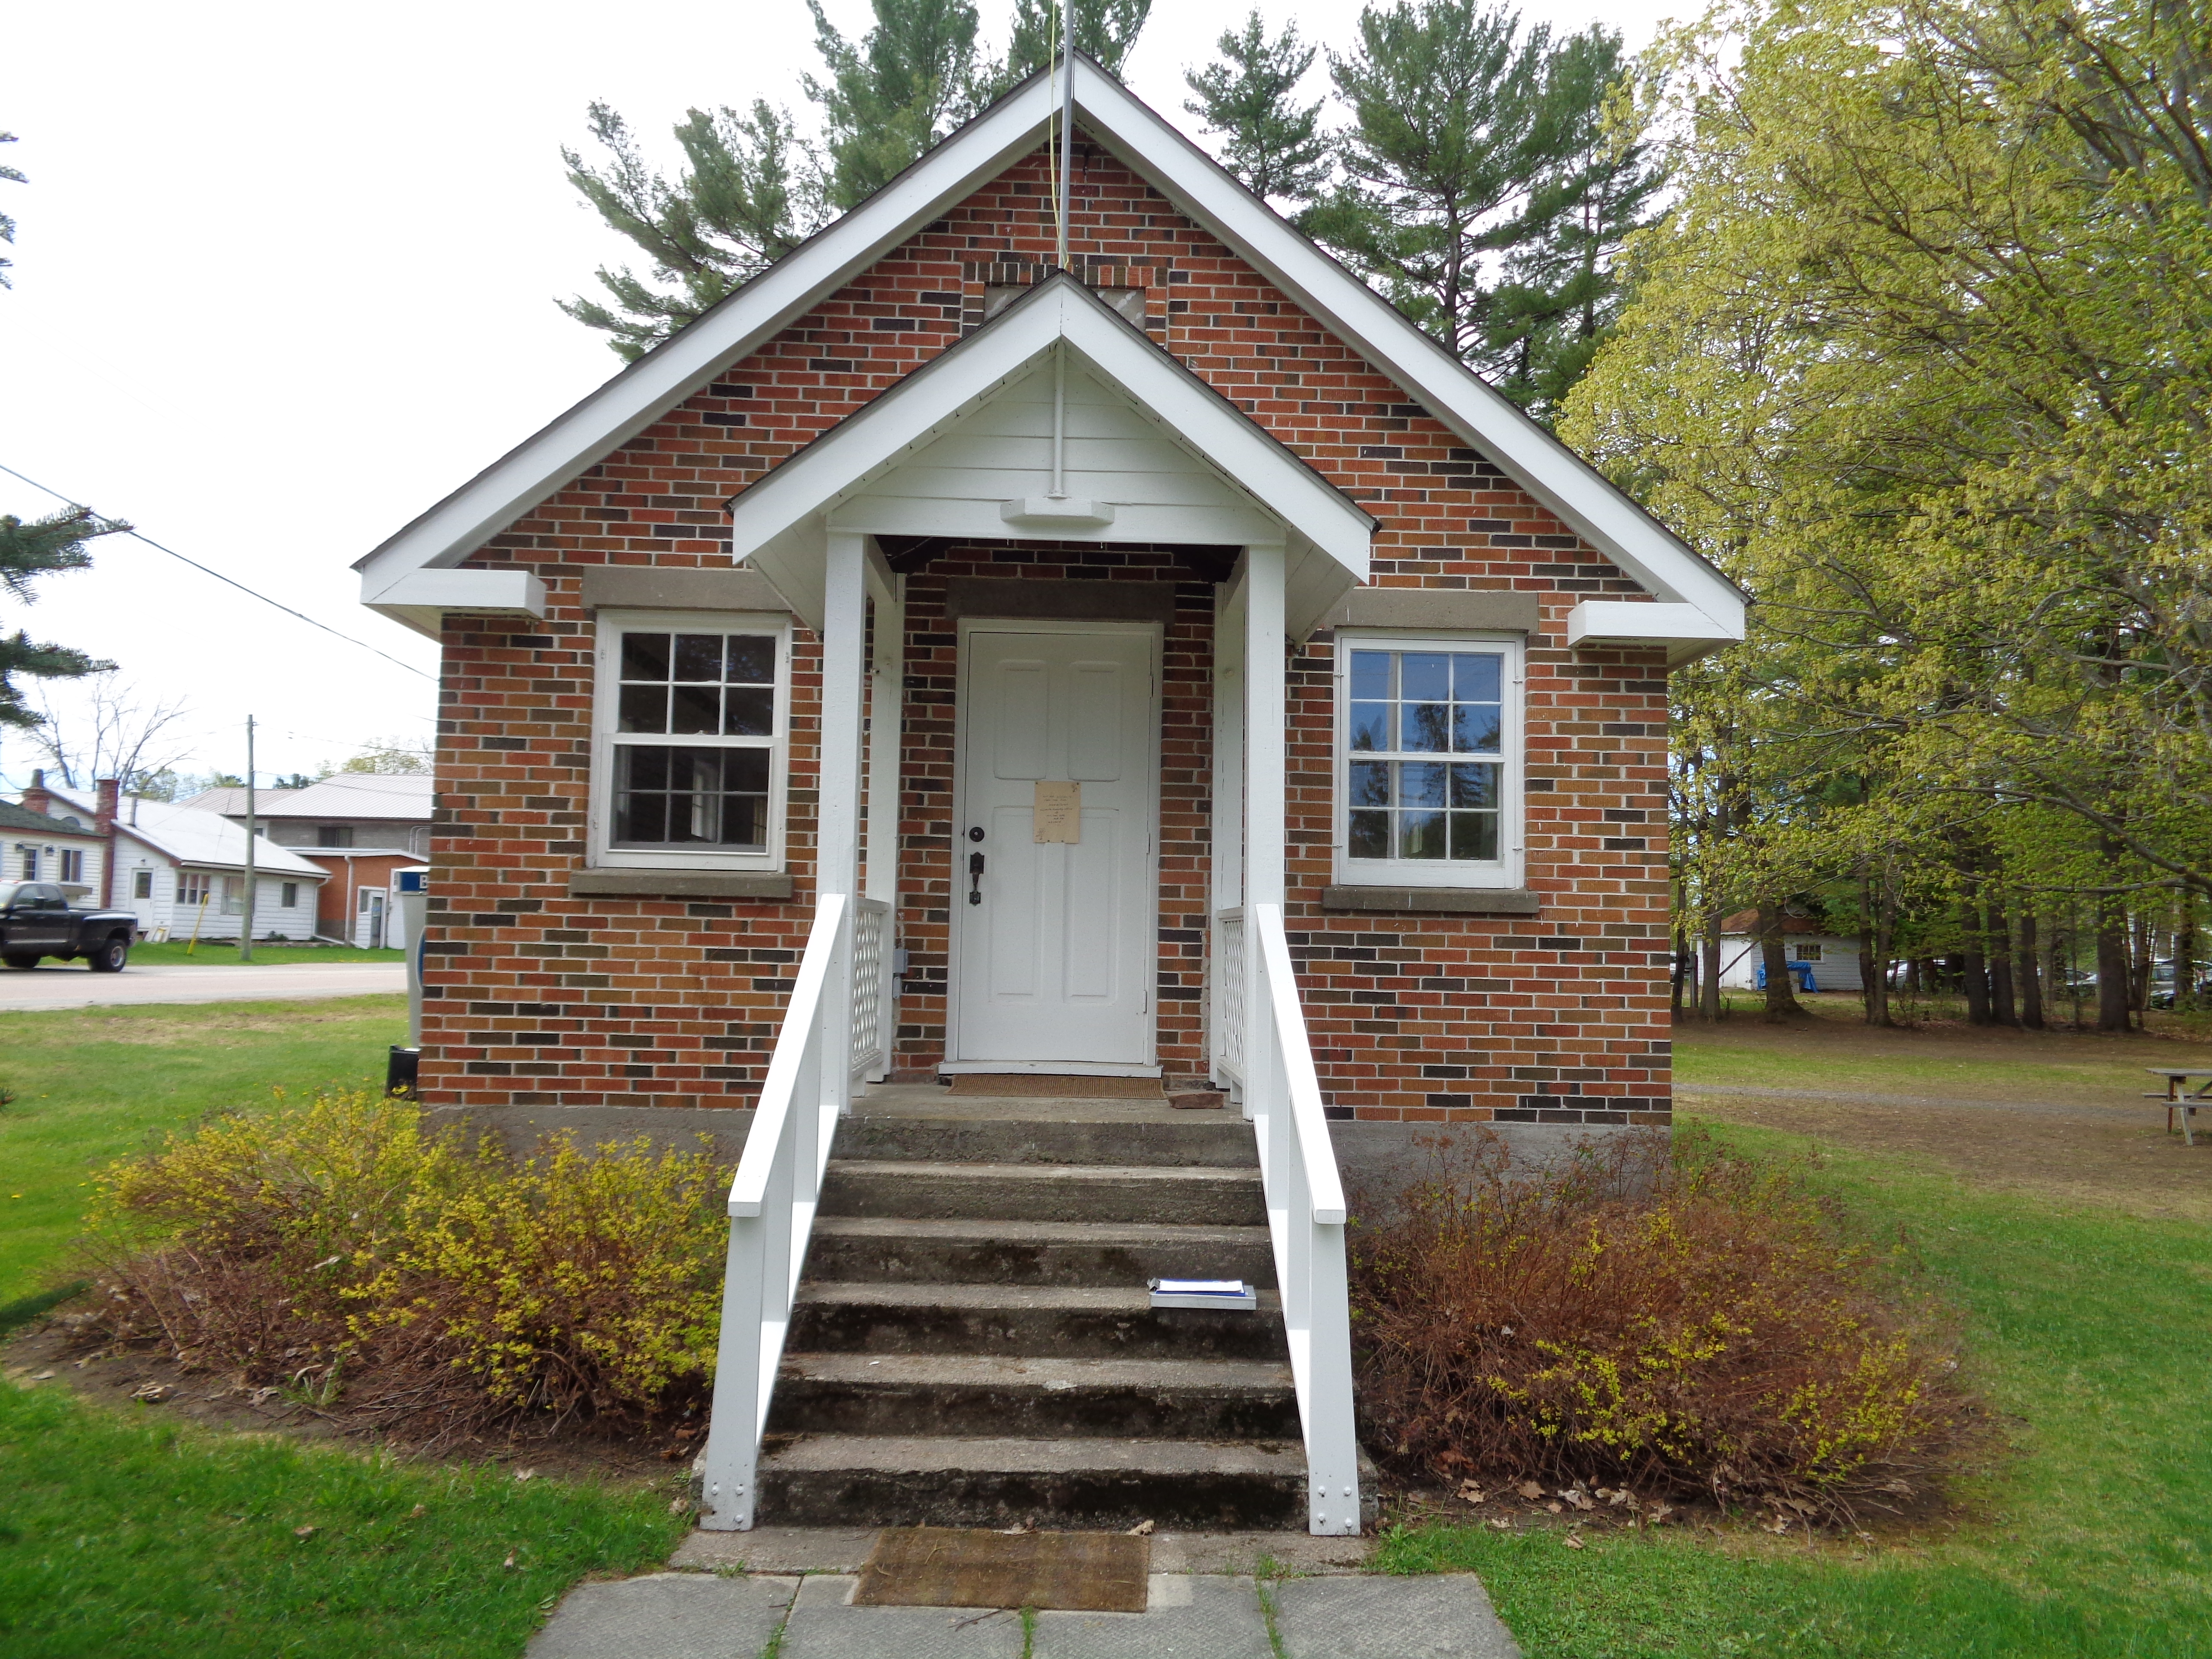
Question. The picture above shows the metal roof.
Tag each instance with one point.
(189, 836)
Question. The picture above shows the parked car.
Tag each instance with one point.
(36, 921)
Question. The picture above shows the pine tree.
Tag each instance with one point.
(1247, 98)
(1104, 29)
(745, 199)
(7, 224)
(1476, 153)
(908, 81)
(28, 551)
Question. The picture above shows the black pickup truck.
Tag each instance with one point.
(36, 921)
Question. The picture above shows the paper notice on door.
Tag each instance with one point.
(1058, 814)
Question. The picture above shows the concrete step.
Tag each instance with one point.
(1002, 1395)
(1064, 1321)
(1044, 1192)
(881, 1480)
(1213, 1140)
(898, 1249)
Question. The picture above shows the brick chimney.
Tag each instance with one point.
(109, 797)
(35, 798)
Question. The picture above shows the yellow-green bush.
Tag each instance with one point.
(1648, 1316)
(396, 1273)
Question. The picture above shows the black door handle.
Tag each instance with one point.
(974, 879)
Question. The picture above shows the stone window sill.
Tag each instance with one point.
(1445, 901)
(680, 883)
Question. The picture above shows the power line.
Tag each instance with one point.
(141, 536)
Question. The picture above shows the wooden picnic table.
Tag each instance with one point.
(2180, 1097)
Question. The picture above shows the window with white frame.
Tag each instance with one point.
(72, 864)
(141, 884)
(291, 891)
(194, 887)
(691, 740)
(1807, 952)
(1429, 759)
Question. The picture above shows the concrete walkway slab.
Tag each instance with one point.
(824, 1624)
(1187, 1618)
(1444, 1617)
(667, 1615)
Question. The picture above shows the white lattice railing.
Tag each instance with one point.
(772, 1204)
(1305, 1218)
(871, 1014)
(1229, 977)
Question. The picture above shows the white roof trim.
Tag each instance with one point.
(1565, 485)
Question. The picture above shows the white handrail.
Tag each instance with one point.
(773, 1198)
(1306, 1219)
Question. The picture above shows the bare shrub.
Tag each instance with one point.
(397, 1277)
(1655, 1317)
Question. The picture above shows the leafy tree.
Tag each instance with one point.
(392, 757)
(28, 551)
(1248, 97)
(1104, 29)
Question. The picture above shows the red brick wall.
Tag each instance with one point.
(537, 999)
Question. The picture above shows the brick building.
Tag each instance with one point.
(1110, 630)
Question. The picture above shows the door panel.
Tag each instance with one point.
(1056, 964)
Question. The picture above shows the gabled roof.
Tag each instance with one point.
(1257, 489)
(230, 801)
(400, 795)
(400, 578)
(188, 836)
(22, 821)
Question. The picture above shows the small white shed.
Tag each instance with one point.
(1831, 959)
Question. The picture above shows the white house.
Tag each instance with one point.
(1830, 960)
(36, 846)
(182, 872)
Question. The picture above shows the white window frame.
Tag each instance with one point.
(1508, 871)
(606, 698)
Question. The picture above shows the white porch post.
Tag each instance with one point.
(886, 700)
(1226, 1003)
(1262, 603)
(837, 797)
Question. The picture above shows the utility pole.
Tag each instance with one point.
(245, 936)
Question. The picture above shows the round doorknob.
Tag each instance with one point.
(974, 832)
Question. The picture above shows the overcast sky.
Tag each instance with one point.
(284, 277)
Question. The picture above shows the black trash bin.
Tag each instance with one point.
(400, 1070)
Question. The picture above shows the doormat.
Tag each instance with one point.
(1059, 1088)
(958, 1567)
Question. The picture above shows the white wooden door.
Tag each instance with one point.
(1055, 950)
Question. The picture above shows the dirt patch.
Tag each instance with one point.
(51, 1356)
(2092, 1157)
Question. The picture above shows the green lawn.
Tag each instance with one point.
(214, 953)
(2091, 1334)
(93, 1084)
(125, 1537)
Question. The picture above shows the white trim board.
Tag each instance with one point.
(948, 174)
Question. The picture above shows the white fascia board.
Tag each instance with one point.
(421, 600)
(913, 413)
(730, 331)
(1687, 632)
(1575, 492)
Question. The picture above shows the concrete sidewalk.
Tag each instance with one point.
(72, 985)
(718, 1610)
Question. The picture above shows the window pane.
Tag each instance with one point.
(748, 711)
(1474, 835)
(1424, 677)
(1421, 835)
(1420, 783)
(744, 821)
(744, 768)
(1370, 674)
(642, 769)
(695, 708)
(644, 708)
(698, 657)
(1425, 727)
(1370, 835)
(1475, 678)
(752, 660)
(1370, 783)
(669, 797)
(1473, 785)
(644, 657)
(1370, 725)
(641, 817)
(1474, 728)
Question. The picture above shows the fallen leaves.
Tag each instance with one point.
(1142, 1529)
(154, 1393)
(525, 1475)
(1531, 1491)
(1472, 1493)
(1574, 1540)
(303, 1532)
